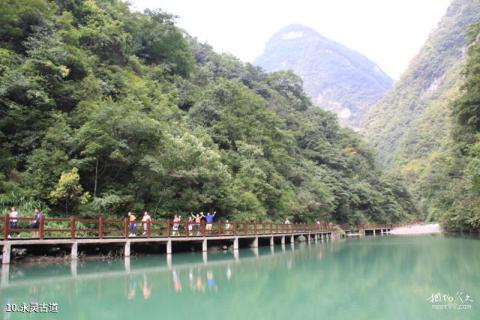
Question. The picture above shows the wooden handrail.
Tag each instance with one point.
(109, 227)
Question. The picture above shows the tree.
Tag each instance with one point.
(69, 191)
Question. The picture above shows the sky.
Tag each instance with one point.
(389, 32)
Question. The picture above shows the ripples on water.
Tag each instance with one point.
(382, 278)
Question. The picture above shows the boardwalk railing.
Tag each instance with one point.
(100, 228)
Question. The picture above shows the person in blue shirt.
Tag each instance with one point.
(209, 220)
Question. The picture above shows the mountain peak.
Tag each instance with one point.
(336, 78)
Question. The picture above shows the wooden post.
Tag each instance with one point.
(125, 228)
(6, 226)
(245, 228)
(72, 227)
(100, 228)
(255, 227)
(42, 227)
(149, 228)
(271, 228)
(168, 228)
(219, 227)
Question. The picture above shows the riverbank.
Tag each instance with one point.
(431, 228)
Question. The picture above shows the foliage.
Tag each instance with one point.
(425, 127)
(105, 111)
(68, 190)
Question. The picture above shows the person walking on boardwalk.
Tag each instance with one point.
(146, 219)
(197, 219)
(37, 216)
(228, 227)
(13, 218)
(176, 224)
(13, 215)
(131, 224)
(209, 220)
(190, 223)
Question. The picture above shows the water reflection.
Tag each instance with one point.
(338, 279)
(147, 289)
(182, 268)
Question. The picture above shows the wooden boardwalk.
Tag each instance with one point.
(74, 232)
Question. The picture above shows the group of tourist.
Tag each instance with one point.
(14, 217)
(193, 224)
(132, 225)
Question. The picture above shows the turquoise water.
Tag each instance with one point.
(381, 278)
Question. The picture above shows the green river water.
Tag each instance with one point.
(427, 277)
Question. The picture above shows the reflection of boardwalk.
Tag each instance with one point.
(233, 258)
(97, 232)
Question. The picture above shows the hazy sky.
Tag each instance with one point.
(390, 32)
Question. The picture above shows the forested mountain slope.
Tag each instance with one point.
(335, 77)
(411, 126)
(412, 120)
(458, 190)
(105, 110)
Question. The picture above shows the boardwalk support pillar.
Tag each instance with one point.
(205, 257)
(292, 240)
(204, 245)
(127, 249)
(254, 243)
(283, 240)
(169, 246)
(272, 242)
(235, 243)
(74, 251)
(6, 253)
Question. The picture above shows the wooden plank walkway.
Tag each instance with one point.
(74, 232)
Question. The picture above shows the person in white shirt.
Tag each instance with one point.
(13, 218)
(146, 219)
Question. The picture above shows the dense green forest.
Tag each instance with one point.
(457, 190)
(105, 110)
(415, 126)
